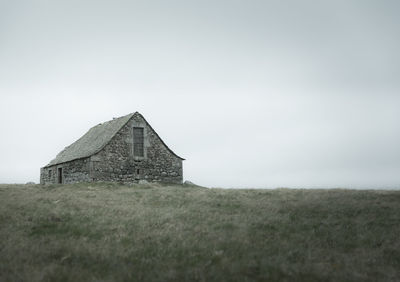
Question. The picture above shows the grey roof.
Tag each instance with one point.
(95, 139)
(92, 142)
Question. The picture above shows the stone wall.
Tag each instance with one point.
(72, 172)
(116, 161)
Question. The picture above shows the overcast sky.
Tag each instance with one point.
(252, 93)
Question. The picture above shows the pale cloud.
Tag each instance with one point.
(251, 93)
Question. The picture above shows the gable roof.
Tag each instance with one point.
(95, 140)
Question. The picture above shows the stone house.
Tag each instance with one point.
(125, 149)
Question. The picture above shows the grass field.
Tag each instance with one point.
(111, 232)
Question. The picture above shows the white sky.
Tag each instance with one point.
(252, 93)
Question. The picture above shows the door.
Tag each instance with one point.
(60, 176)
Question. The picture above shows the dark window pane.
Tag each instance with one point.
(138, 140)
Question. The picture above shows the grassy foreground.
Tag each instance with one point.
(110, 232)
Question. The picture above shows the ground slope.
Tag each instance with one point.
(110, 232)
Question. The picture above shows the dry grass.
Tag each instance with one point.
(110, 232)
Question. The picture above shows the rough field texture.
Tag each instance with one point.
(108, 232)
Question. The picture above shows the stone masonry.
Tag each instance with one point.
(116, 160)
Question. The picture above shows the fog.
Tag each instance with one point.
(258, 94)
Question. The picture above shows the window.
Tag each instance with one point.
(60, 176)
(49, 173)
(138, 140)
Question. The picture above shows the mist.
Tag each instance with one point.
(253, 94)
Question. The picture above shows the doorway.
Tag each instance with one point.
(60, 177)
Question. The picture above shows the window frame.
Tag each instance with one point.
(138, 142)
